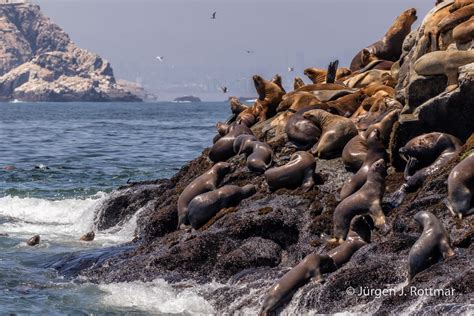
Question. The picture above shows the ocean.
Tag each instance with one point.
(58, 162)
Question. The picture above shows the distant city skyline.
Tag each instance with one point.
(201, 54)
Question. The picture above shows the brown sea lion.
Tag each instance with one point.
(299, 171)
(376, 87)
(376, 150)
(384, 126)
(317, 75)
(33, 241)
(433, 242)
(259, 154)
(464, 32)
(460, 200)
(366, 78)
(269, 96)
(354, 153)
(455, 18)
(88, 237)
(297, 101)
(278, 81)
(425, 154)
(314, 265)
(332, 95)
(302, 132)
(223, 148)
(458, 4)
(346, 105)
(298, 83)
(206, 182)
(336, 131)
(319, 86)
(204, 206)
(444, 63)
(390, 47)
(371, 61)
(366, 201)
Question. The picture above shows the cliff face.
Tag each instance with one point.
(39, 62)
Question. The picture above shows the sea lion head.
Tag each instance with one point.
(374, 137)
(249, 190)
(315, 75)
(378, 167)
(259, 83)
(236, 106)
(223, 168)
(421, 217)
(410, 16)
(362, 226)
(367, 56)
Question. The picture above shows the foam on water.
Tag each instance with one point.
(156, 297)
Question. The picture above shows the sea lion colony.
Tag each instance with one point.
(348, 113)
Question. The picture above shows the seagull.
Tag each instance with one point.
(160, 58)
(249, 51)
(290, 69)
(213, 17)
(224, 89)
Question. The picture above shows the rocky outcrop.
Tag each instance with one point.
(39, 62)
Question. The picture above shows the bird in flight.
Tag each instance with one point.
(290, 69)
(160, 58)
(224, 89)
(213, 17)
(249, 51)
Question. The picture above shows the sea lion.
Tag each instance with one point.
(455, 18)
(302, 132)
(204, 206)
(223, 148)
(331, 95)
(33, 241)
(458, 4)
(366, 201)
(424, 154)
(278, 81)
(299, 171)
(297, 101)
(390, 47)
(376, 150)
(354, 153)
(259, 154)
(88, 237)
(384, 126)
(206, 182)
(444, 63)
(434, 241)
(464, 32)
(241, 113)
(317, 75)
(346, 105)
(460, 200)
(269, 96)
(336, 131)
(376, 87)
(366, 78)
(298, 83)
(314, 265)
(371, 61)
(316, 87)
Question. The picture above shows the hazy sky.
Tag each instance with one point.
(202, 54)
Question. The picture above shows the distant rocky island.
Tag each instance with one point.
(187, 98)
(39, 62)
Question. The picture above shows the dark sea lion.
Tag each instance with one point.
(299, 171)
(33, 241)
(464, 32)
(314, 265)
(384, 126)
(204, 206)
(444, 63)
(425, 154)
(379, 109)
(259, 154)
(223, 148)
(433, 242)
(278, 81)
(460, 200)
(269, 96)
(390, 47)
(354, 153)
(88, 237)
(298, 83)
(336, 131)
(301, 131)
(346, 105)
(376, 150)
(206, 182)
(297, 101)
(366, 201)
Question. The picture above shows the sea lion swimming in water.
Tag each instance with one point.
(366, 201)
(208, 181)
(433, 242)
(314, 265)
(424, 154)
(460, 200)
(88, 237)
(204, 206)
(33, 241)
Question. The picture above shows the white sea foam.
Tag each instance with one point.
(156, 297)
(62, 220)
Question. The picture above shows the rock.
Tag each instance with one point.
(187, 98)
(39, 62)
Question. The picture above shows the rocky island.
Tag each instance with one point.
(39, 62)
(403, 118)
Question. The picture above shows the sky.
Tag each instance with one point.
(202, 54)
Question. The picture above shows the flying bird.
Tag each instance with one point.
(160, 58)
(224, 89)
(249, 51)
(213, 17)
(290, 69)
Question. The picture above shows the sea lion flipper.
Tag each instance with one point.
(410, 167)
(445, 248)
(308, 180)
(398, 196)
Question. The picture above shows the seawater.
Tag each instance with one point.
(67, 158)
